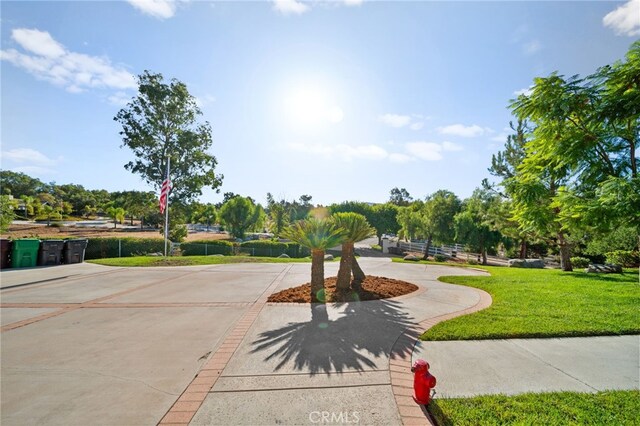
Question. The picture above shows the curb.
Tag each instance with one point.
(400, 364)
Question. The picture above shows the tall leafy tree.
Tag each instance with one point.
(400, 197)
(206, 214)
(410, 220)
(473, 225)
(505, 165)
(240, 214)
(437, 218)
(317, 235)
(6, 213)
(584, 143)
(19, 184)
(161, 122)
(384, 218)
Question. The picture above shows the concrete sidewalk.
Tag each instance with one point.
(513, 366)
(85, 344)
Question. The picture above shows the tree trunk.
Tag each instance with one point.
(344, 273)
(565, 253)
(317, 276)
(358, 274)
(523, 249)
(426, 249)
(484, 256)
(632, 153)
(131, 220)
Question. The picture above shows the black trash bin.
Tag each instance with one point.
(5, 259)
(74, 251)
(50, 252)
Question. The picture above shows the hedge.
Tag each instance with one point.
(206, 247)
(268, 248)
(626, 258)
(98, 248)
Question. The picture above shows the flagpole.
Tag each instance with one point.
(166, 214)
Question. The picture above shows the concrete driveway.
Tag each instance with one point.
(86, 344)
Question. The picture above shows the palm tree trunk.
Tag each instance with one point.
(344, 273)
(317, 276)
(358, 274)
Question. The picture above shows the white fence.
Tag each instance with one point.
(449, 250)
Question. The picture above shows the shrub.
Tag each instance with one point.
(439, 257)
(472, 262)
(98, 248)
(206, 247)
(580, 262)
(626, 258)
(178, 233)
(376, 247)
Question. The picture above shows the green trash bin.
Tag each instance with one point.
(25, 253)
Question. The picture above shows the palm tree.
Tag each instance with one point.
(317, 235)
(356, 228)
(117, 214)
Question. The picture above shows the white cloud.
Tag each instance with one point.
(502, 136)
(531, 47)
(395, 120)
(429, 151)
(48, 60)
(298, 7)
(119, 99)
(343, 152)
(288, 7)
(625, 20)
(400, 158)
(203, 101)
(27, 155)
(525, 92)
(38, 42)
(414, 121)
(161, 9)
(450, 146)
(464, 131)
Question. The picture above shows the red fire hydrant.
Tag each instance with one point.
(423, 382)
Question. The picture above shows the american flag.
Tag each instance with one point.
(164, 194)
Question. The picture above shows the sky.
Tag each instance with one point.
(340, 100)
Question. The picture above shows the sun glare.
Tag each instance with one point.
(311, 107)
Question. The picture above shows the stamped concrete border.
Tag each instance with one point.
(400, 364)
(186, 406)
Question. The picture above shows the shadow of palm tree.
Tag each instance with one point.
(361, 332)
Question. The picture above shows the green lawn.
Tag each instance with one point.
(546, 303)
(190, 260)
(558, 408)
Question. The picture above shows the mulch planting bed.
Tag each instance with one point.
(373, 288)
